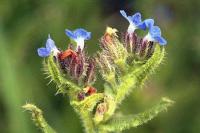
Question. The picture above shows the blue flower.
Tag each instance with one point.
(154, 33)
(79, 36)
(135, 21)
(50, 47)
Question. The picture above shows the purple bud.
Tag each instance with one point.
(81, 96)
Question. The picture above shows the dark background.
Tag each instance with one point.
(25, 24)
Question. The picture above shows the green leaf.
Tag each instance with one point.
(38, 118)
(125, 122)
(137, 75)
(142, 72)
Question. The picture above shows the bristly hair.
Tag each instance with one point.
(79, 67)
(137, 46)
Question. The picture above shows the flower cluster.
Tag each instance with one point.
(141, 46)
(74, 63)
(78, 67)
(135, 22)
(123, 64)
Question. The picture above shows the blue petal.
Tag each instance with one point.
(123, 13)
(82, 33)
(43, 52)
(161, 40)
(155, 31)
(50, 44)
(142, 26)
(136, 18)
(70, 34)
(149, 23)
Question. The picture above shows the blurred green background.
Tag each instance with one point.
(25, 24)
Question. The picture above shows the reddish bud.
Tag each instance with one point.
(109, 34)
(90, 90)
(67, 53)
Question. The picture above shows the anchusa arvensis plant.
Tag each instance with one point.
(124, 63)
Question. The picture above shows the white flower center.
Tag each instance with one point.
(55, 51)
(80, 43)
(148, 37)
(131, 28)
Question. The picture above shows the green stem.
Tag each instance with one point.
(124, 89)
(85, 108)
(38, 118)
(88, 122)
(110, 78)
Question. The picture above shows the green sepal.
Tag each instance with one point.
(88, 103)
(111, 107)
(53, 70)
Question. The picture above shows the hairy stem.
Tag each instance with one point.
(38, 118)
(88, 122)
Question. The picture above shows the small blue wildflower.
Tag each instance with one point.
(154, 33)
(50, 47)
(79, 36)
(135, 21)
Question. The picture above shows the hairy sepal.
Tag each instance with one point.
(51, 68)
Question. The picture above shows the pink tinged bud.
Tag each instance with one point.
(101, 108)
(130, 41)
(90, 73)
